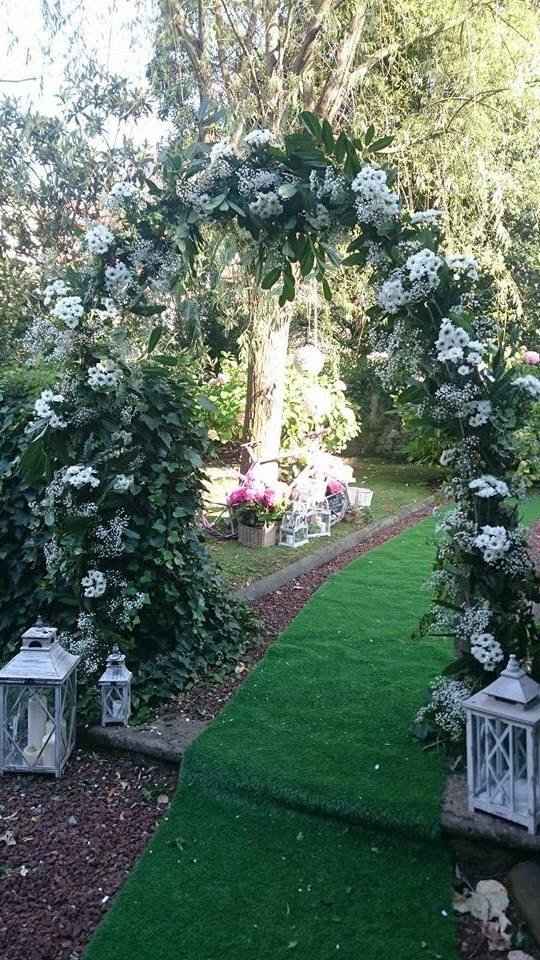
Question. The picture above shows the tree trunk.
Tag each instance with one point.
(267, 369)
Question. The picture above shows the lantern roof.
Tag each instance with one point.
(40, 659)
(514, 684)
(116, 670)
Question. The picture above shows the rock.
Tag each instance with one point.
(519, 955)
(72, 821)
(524, 880)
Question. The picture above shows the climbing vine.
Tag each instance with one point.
(313, 205)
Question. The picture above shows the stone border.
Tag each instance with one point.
(458, 822)
(298, 568)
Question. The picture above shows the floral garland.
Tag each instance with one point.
(292, 206)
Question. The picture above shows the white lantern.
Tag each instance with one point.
(115, 685)
(38, 700)
(294, 529)
(503, 747)
(360, 496)
(319, 520)
(309, 359)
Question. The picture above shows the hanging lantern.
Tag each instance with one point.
(503, 747)
(319, 520)
(318, 401)
(294, 529)
(115, 685)
(38, 699)
(309, 359)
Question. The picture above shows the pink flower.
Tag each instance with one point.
(240, 495)
(334, 486)
(532, 357)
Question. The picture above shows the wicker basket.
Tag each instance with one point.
(262, 536)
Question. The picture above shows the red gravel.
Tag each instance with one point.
(67, 845)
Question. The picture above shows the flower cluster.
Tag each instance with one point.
(487, 650)
(258, 139)
(488, 486)
(375, 202)
(94, 584)
(530, 385)
(493, 543)
(428, 217)
(69, 310)
(257, 502)
(80, 476)
(122, 483)
(454, 345)
(266, 206)
(44, 411)
(106, 375)
(416, 280)
(446, 708)
(117, 278)
(57, 288)
(99, 239)
(463, 265)
(331, 187)
(120, 193)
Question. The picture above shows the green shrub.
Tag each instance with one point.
(130, 527)
(528, 440)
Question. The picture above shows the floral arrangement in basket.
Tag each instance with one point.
(256, 504)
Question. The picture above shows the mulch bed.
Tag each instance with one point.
(67, 845)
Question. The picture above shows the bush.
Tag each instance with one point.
(528, 441)
(227, 393)
(115, 462)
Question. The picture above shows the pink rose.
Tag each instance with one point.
(239, 495)
(334, 486)
(532, 357)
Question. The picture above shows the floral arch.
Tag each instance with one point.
(288, 205)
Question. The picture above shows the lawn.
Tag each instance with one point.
(395, 485)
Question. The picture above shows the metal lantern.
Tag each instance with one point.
(115, 684)
(503, 747)
(38, 700)
(319, 520)
(294, 529)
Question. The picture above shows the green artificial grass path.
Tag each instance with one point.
(305, 821)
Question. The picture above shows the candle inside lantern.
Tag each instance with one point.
(116, 709)
(48, 744)
(37, 717)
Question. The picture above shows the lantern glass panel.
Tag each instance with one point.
(30, 727)
(294, 530)
(501, 765)
(319, 521)
(115, 703)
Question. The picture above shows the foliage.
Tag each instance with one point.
(114, 458)
(528, 447)
(227, 391)
(22, 565)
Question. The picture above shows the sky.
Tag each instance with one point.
(107, 27)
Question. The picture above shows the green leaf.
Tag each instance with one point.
(328, 137)
(271, 278)
(380, 144)
(34, 462)
(311, 123)
(369, 134)
(326, 290)
(341, 147)
(287, 190)
(154, 338)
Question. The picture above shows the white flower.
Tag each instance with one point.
(98, 239)
(104, 376)
(447, 456)
(58, 288)
(320, 220)
(487, 650)
(493, 543)
(426, 216)
(258, 138)
(69, 310)
(375, 201)
(221, 149)
(117, 277)
(461, 264)
(122, 483)
(121, 192)
(44, 411)
(377, 356)
(392, 295)
(488, 486)
(266, 205)
(94, 584)
(529, 384)
(481, 411)
(80, 476)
